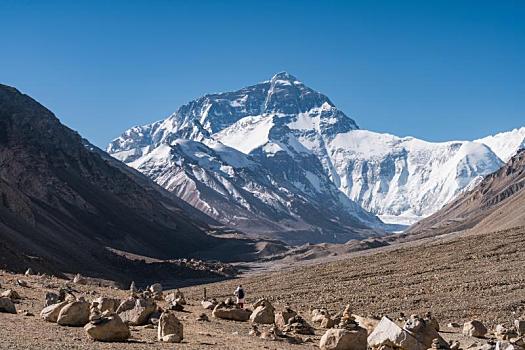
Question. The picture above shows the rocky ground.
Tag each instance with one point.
(456, 277)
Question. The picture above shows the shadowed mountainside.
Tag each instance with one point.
(62, 204)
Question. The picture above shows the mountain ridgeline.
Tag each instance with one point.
(279, 160)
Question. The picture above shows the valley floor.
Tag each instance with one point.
(457, 278)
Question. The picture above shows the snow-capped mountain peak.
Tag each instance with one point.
(305, 157)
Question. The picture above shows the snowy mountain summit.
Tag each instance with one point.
(279, 159)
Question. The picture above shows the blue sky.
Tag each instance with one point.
(437, 70)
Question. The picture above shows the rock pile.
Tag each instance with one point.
(347, 335)
(106, 326)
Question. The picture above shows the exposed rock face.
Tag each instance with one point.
(170, 328)
(7, 306)
(264, 313)
(231, 313)
(344, 339)
(136, 312)
(474, 328)
(75, 314)
(108, 329)
(50, 313)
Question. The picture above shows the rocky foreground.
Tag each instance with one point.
(448, 293)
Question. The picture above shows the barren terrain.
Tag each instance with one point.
(457, 278)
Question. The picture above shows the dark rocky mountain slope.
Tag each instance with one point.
(65, 207)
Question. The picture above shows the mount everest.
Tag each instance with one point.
(278, 159)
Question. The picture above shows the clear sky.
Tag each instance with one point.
(437, 70)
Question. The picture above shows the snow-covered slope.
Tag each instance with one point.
(505, 144)
(296, 151)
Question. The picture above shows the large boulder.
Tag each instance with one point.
(7, 306)
(108, 329)
(137, 313)
(75, 314)
(474, 328)
(389, 334)
(231, 313)
(264, 313)
(107, 304)
(170, 328)
(344, 339)
(50, 313)
(282, 317)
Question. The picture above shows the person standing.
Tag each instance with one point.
(240, 294)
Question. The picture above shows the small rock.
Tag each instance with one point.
(282, 317)
(175, 306)
(203, 318)
(79, 279)
(209, 305)
(156, 288)
(11, 294)
(22, 283)
(474, 328)
(7, 306)
(50, 313)
(520, 327)
(51, 299)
